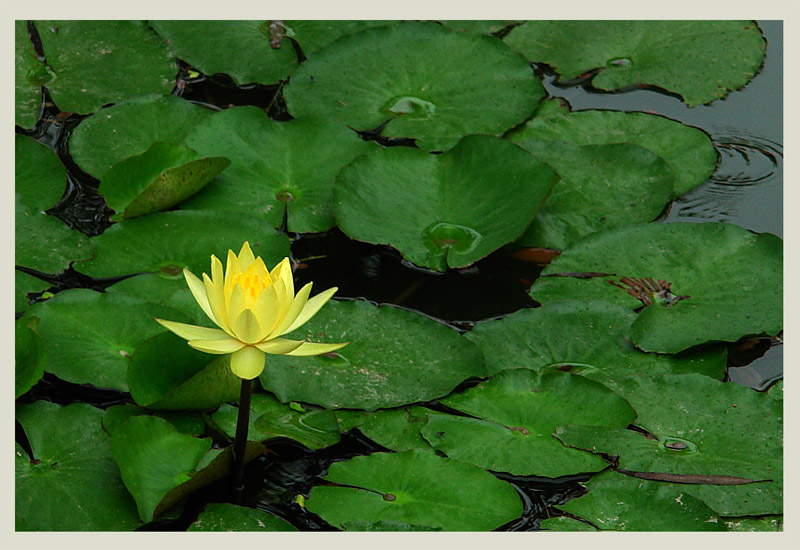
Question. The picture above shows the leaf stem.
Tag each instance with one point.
(240, 442)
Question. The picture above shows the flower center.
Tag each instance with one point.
(253, 281)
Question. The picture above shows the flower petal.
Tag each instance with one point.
(232, 268)
(248, 362)
(193, 332)
(311, 308)
(217, 305)
(279, 346)
(245, 257)
(237, 302)
(246, 328)
(218, 347)
(313, 348)
(267, 310)
(298, 303)
(199, 293)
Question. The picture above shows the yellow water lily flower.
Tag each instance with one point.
(253, 308)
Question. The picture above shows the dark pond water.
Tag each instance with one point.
(747, 189)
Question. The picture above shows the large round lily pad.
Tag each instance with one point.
(417, 488)
(699, 60)
(395, 429)
(719, 282)
(394, 357)
(620, 503)
(442, 210)
(99, 62)
(311, 35)
(426, 81)
(90, 336)
(187, 423)
(221, 516)
(273, 168)
(71, 483)
(601, 186)
(514, 417)
(39, 176)
(701, 427)
(689, 151)
(583, 337)
(29, 76)
(128, 128)
(240, 49)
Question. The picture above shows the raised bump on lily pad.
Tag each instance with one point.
(410, 107)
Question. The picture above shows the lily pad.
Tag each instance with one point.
(481, 26)
(394, 357)
(25, 284)
(764, 523)
(315, 428)
(221, 516)
(30, 355)
(395, 429)
(601, 186)
(90, 335)
(71, 483)
(688, 151)
(426, 81)
(385, 525)
(581, 337)
(99, 62)
(442, 210)
(172, 292)
(276, 166)
(129, 128)
(39, 176)
(185, 423)
(565, 523)
(240, 49)
(311, 35)
(719, 282)
(701, 427)
(166, 242)
(699, 60)
(29, 76)
(516, 413)
(165, 373)
(160, 177)
(417, 488)
(620, 503)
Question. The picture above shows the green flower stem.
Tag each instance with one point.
(240, 442)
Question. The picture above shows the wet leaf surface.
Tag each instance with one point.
(221, 516)
(30, 355)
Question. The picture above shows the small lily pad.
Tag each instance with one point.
(395, 429)
(709, 282)
(90, 336)
(417, 488)
(39, 176)
(276, 166)
(128, 128)
(394, 357)
(160, 177)
(185, 423)
(30, 355)
(71, 483)
(426, 81)
(442, 210)
(240, 49)
(315, 428)
(581, 337)
(620, 503)
(30, 75)
(701, 427)
(699, 60)
(99, 62)
(515, 415)
(688, 151)
(221, 516)
(165, 373)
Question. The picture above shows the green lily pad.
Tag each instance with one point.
(71, 483)
(165, 373)
(516, 413)
(25, 284)
(99, 62)
(384, 526)
(312, 35)
(417, 488)
(276, 166)
(701, 427)
(620, 503)
(725, 281)
(30, 355)
(764, 523)
(688, 151)
(479, 27)
(90, 335)
(240, 49)
(39, 176)
(185, 423)
(581, 337)
(564, 523)
(426, 81)
(173, 293)
(221, 516)
(45, 243)
(129, 128)
(601, 186)
(699, 60)
(315, 428)
(30, 75)
(394, 357)
(166, 242)
(160, 177)
(395, 429)
(442, 210)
